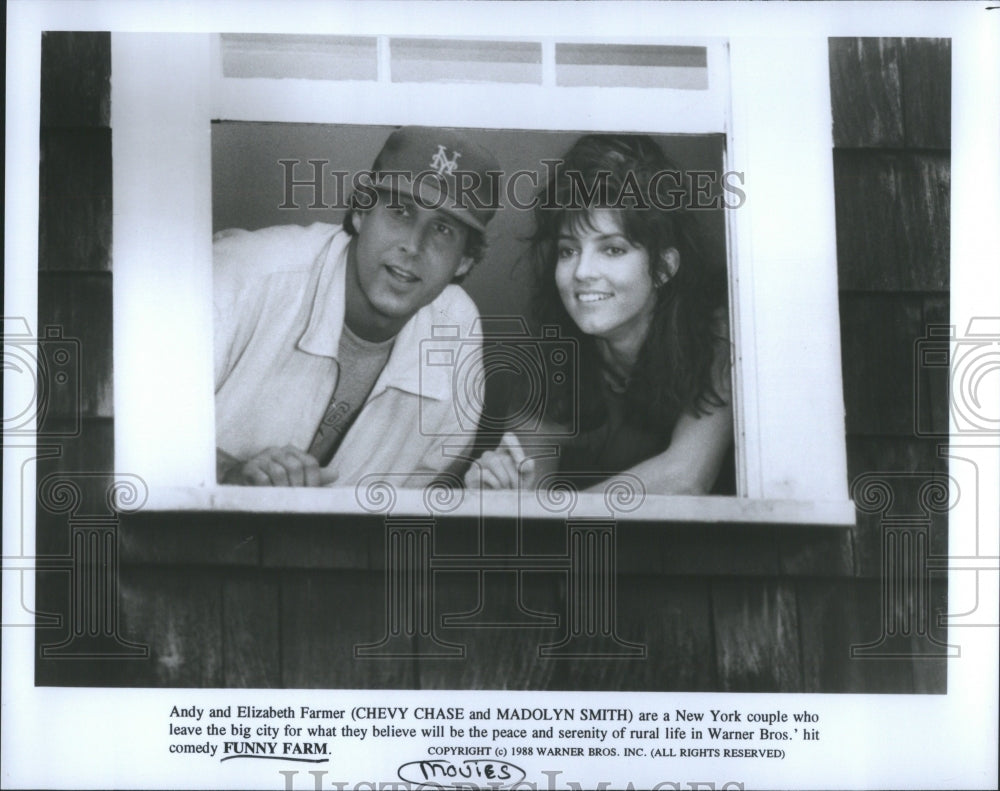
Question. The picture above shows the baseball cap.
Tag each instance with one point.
(441, 169)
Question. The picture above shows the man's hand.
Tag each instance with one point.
(287, 466)
(507, 467)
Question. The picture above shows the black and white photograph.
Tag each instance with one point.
(496, 395)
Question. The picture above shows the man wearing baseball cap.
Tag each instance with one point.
(320, 329)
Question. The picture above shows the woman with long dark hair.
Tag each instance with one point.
(621, 269)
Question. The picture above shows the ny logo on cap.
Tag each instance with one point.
(442, 164)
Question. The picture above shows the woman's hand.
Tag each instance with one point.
(507, 467)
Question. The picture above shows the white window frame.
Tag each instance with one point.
(791, 460)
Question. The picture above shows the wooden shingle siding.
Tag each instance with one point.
(879, 332)
(936, 380)
(756, 627)
(833, 616)
(79, 305)
(91, 448)
(893, 190)
(930, 675)
(195, 540)
(491, 652)
(891, 93)
(909, 463)
(324, 614)
(926, 81)
(180, 618)
(74, 220)
(865, 92)
(803, 553)
(74, 303)
(251, 638)
(318, 542)
(76, 80)
(893, 220)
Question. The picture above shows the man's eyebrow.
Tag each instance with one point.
(442, 216)
(409, 202)
(404, 200)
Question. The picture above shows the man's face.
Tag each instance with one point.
(404, 257)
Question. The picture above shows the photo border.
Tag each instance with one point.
(903, 741)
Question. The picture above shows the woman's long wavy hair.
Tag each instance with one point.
(673, 373)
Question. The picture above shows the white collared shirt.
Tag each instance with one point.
(279, 313)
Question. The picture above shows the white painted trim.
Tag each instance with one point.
(490, 504)
(549, 63)
(786, 316)
(384, 61)
(476, 105)
(741, 327)
(162, 305)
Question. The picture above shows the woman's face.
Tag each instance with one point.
(604, 280)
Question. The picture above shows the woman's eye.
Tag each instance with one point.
(444, 230)
(566, 252)
(614, 251)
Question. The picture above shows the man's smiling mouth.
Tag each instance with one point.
(401, 274)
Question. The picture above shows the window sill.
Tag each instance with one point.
(381, 500)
